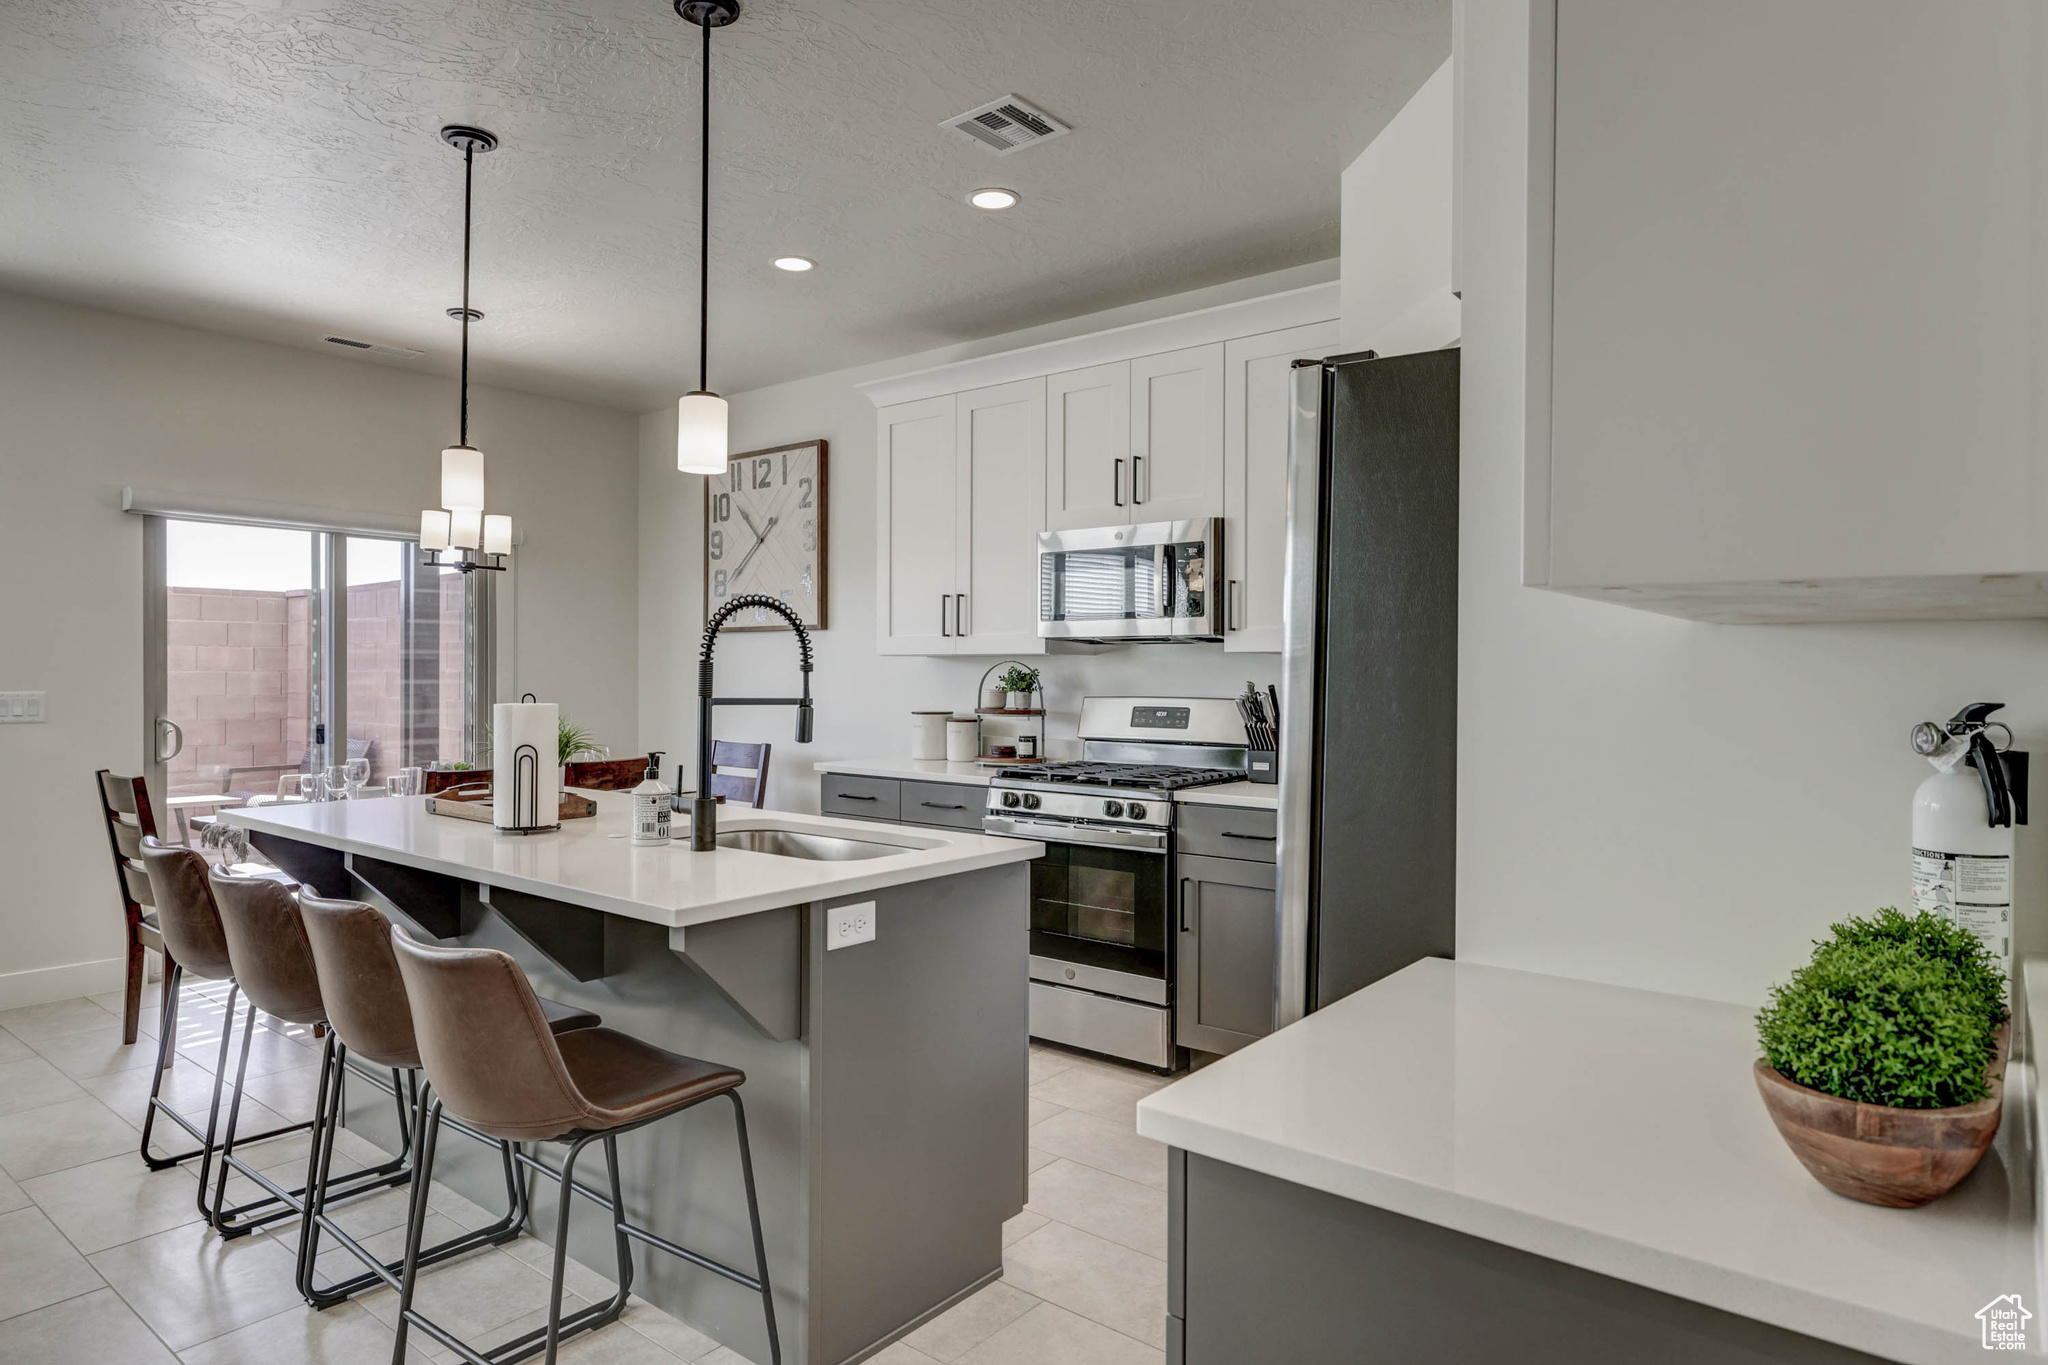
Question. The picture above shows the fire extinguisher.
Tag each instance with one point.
(1963, 821)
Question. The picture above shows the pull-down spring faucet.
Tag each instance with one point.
(704, 810)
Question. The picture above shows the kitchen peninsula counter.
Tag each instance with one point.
(1479, 1153)
(886, 1078)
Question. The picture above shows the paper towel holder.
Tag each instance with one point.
(524, 789)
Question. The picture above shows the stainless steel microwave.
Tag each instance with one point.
(1152, 581)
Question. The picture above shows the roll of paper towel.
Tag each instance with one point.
(525, 779)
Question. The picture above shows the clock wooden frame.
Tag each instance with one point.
(824, 527)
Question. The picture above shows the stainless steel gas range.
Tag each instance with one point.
(1103, 896)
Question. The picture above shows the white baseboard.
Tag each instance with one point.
(44, 984)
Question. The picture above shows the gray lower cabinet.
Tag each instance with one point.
(1225, 988)
(952, 805)
(1260, 1269)
(864, 798)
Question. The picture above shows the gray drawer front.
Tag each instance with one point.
(953, 805)
(869, 798)
(1227, 832)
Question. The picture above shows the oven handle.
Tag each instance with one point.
(1141, 841)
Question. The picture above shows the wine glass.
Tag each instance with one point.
(415, 780)
(309, 787)
(356, 772)
(334, 782)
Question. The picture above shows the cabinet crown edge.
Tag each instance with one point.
(1223, 322)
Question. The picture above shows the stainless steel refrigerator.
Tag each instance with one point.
(1369, 706)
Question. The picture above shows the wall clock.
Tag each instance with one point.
(764, 531)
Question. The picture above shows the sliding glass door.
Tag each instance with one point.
(266, 645)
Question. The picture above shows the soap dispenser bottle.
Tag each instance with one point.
(652, 806)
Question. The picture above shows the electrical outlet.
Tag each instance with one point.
(21, 708)
(846, 925)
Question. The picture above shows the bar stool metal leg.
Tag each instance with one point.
(319, 1182)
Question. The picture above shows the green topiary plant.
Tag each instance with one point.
(1895, 1010)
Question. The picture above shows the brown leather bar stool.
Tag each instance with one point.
(195, 943)
(492, 1060)
(371, 1019)
(274, 968)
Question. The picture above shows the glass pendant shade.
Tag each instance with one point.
(462, 478)
(433, 530)
(466, 527)
(497, 535)
(701, 433)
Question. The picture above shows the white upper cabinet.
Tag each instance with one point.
(1088, 447)
(1177, 435)
(1001, 451)
(918, 502)
(1258, 395)
(1175, 419)
(1790, 339)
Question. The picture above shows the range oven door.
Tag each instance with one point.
(1150, 581)
(1100, 920)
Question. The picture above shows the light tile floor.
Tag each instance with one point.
(103, 1260)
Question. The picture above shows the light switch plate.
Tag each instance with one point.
(846, 925)
(21, 708)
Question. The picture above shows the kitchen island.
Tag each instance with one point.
(1463, 1163)
(885, 1078)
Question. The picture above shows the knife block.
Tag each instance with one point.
(1261, 765)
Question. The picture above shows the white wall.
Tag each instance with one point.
(865, 699)
(1396, 231)
(1656, 802)
(90, 401)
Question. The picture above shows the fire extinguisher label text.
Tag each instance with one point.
(1972, 890)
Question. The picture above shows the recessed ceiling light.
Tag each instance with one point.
(797, 263)
(993, 199)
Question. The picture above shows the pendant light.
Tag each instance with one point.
(462, 524)
(701, 440)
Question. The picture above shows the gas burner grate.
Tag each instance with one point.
(1081, 773)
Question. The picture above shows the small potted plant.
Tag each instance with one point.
(1884, 1058)
(1021, 684)
(570, 739)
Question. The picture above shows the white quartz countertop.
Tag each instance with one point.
(1255, 794)
(1614, 1129)
(591, 863)
(915, 769)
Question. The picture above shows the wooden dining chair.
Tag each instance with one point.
(124, 802)
(748, 785)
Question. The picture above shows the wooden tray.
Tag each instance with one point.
(473, 802)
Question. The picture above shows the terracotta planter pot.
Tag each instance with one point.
(1900, 1158)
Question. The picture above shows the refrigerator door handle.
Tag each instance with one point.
(1296, 849)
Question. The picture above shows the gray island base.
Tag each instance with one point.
(885, 1093)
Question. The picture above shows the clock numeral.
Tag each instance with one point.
(733, 475)
(721, 507)
(718, 545)
(805, 484)
(764, 472)
(785, 467)
(718, 584)
(810, 533)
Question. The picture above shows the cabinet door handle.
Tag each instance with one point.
(945, 599)
(1116, 484)
(1233, 619)
(1262, 838)
(1137, 468)
(1183, 905)
(960, 613)
(849, 796)
(933, 805)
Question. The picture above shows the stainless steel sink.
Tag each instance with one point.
(792, 843)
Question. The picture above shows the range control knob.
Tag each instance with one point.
(1135, 810)
(1112, 808)
(1031, 801)
(1010, 799)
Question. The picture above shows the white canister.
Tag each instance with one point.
(963, 739)
(928, 734)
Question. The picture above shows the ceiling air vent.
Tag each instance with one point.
(1006, 125)
(373, 347)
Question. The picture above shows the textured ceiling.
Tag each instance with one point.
(271, 168)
